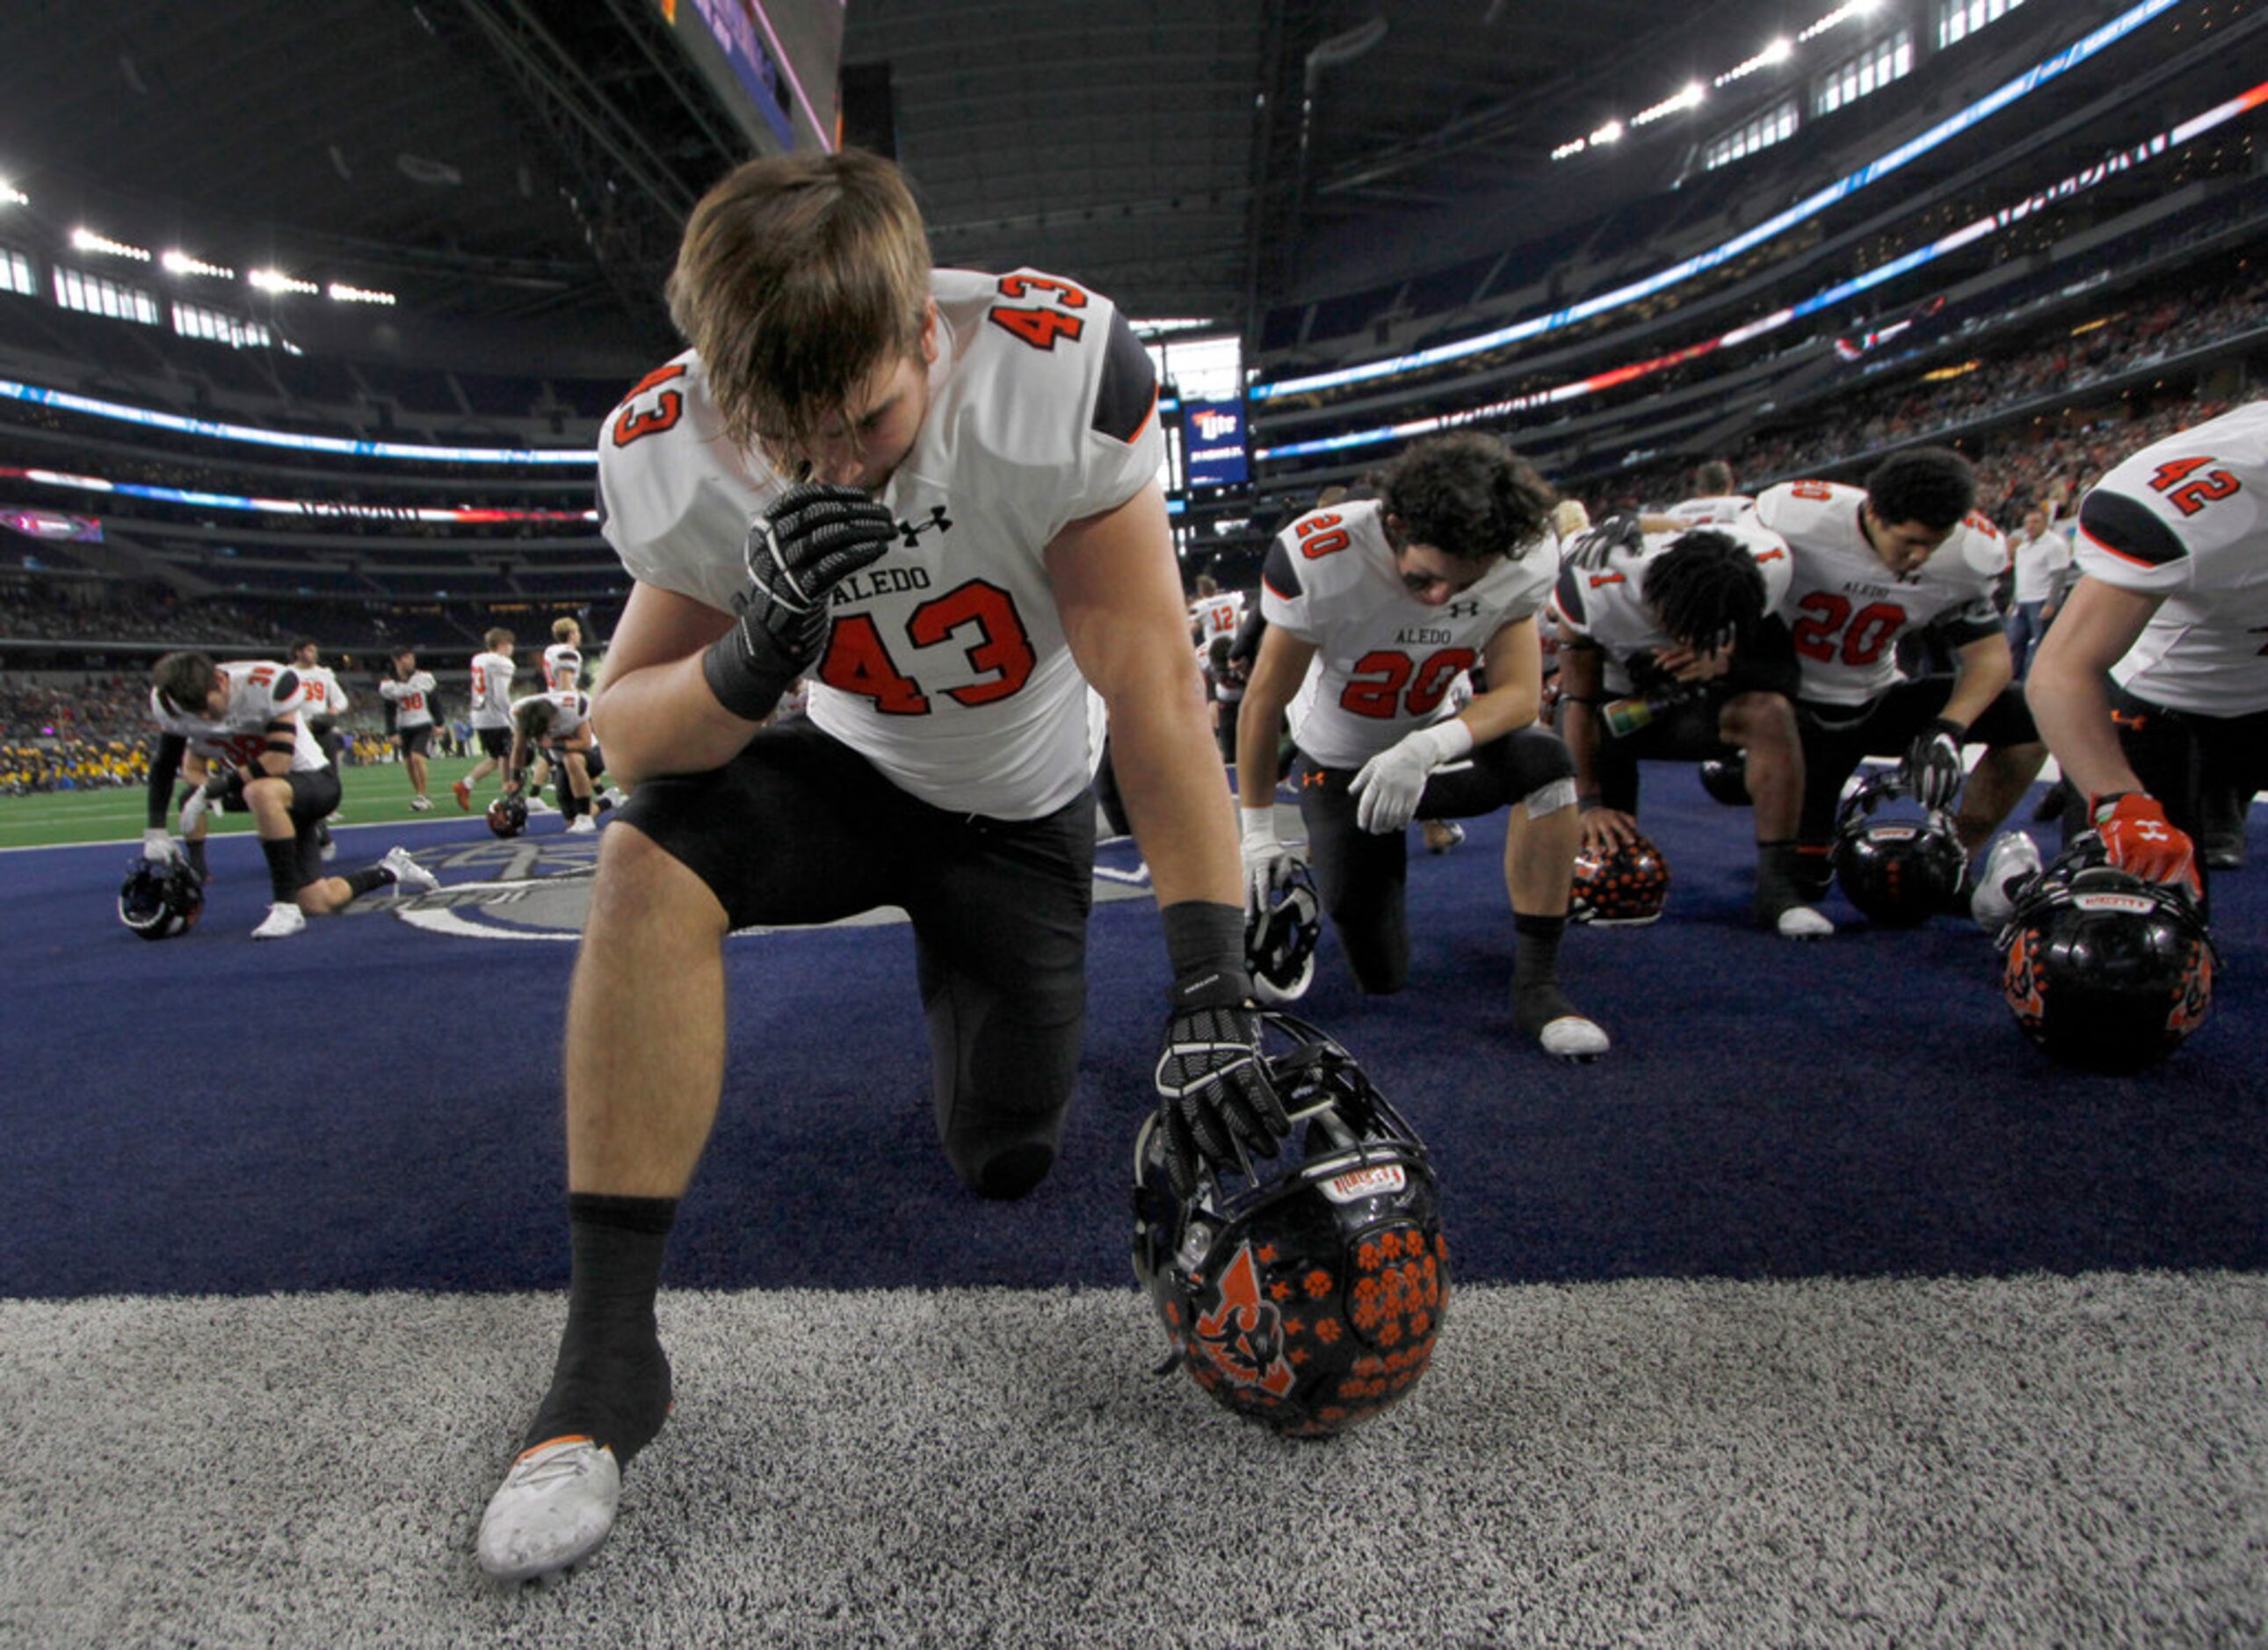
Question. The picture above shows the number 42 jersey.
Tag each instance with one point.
(947, 668)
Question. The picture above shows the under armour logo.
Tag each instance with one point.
(913, 530)
(1461, 610)
(1314, 775)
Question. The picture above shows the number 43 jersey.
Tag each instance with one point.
(1384, 660)
(1847, 610)
(2186, 519)
(947, 668)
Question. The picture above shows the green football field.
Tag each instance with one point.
(373, 796)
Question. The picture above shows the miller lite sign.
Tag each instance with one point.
(1215, 451)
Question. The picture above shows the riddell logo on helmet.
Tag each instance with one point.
(2130, 903)
(1357, 1184)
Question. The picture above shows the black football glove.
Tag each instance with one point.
(816, 536)
(1214, 1095)
(1932, 767)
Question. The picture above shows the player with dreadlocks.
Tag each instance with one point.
(1670, 650)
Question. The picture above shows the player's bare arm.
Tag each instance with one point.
(655, 710)
(1582, 684)
(1983, 670)
(1123, 616)
(2065, 687)
(1513, 664)
(1277, 673)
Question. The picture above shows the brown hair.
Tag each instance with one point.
(561, 626)
(184, 681)
(797, 277)
(1469, 496)
(498, 637)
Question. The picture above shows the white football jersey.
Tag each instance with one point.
(325, 697)
(1847, 610)
(2187, 518)
(413, 700)
(947, 668)
(563, 667)
(1216, 614)
(258, 692)
(1606, 606)
(1384, 661)
(569, 711)
(1715, 510)
(492, 674)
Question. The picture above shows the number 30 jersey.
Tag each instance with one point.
(1847, 610)
(2187, 518)
(1384, 661)
(948, 669)
(258, 692)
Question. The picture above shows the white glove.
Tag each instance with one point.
(193, 809)
(1391, 782)
(157, 846)
(1267, 862)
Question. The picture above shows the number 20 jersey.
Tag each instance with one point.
(2187, 518)
(947, 668)
(1384, 660)
(1847, 610)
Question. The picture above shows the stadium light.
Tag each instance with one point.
(87, 240)
(277, 280)
(341, 293)
(11, 195)
(182, 264)
(1689, 98)
(1610, 133)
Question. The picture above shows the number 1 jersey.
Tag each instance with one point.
(947, 668)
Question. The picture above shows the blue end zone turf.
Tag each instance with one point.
(376, 1105)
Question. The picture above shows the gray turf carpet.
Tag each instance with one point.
(2023, 1462)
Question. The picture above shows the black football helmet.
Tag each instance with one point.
(2103, 970)
(1624, 885)
(1279, 942)
(1307, 1295)
(1727, 780)
(1902, 871)
(160, 899)
(508, 817)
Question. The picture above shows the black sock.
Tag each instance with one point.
(197, 851)
(282, 869)
(1536, 998)
(1778, 880)
(361, 882)
(611, 1383)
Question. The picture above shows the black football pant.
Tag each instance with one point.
(1837, 737)
(800, 828)
(1363, 876)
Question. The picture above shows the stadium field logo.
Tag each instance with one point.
(539, 889)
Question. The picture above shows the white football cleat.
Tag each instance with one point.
(2014, 858)
(408, 876)
(583, 825)
(554, 1508)
(1800, 922)
(537, 804)
(420, 805)
(1572, 1037)
(281, 922)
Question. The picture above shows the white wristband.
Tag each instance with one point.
(1259, 824)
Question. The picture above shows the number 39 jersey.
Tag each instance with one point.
(258, 694)
(1384, 660)
(2187, 518)
(948, 669)
(1847, 610)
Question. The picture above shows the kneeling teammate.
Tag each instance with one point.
(1374, 609)
(246, 716)
(557, 727)
(1678, 627)
(1871, 565)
